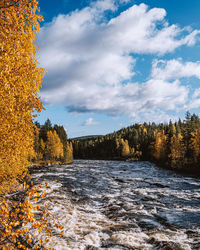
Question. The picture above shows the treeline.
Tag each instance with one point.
(51, 144)
(175, 145)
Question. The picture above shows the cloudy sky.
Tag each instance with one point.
(111, 63)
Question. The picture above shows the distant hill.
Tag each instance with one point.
(85, 137)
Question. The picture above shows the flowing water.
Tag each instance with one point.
(121, 205)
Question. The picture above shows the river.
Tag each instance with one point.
(121, 205)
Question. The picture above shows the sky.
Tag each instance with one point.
(112, 63)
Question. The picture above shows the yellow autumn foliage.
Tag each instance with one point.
(19, 223)
(124, 146)
(54, 145)
(177, 150)
(69, 152)
(195, 144)
(159, 147)
(20, 80)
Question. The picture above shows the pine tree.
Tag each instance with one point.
(44, 129)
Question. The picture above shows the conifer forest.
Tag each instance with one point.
(174, 145)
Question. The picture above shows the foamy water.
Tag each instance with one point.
(121, 205)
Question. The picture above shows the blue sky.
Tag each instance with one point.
(111, 63)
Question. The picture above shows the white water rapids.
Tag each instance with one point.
(121, 205)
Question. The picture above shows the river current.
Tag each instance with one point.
(121, 205)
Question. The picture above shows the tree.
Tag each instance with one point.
(44, 129)
(36, 141)
(20, 80)
(125, 150)
(159, 147)
(195, 144)
(68, 157)
(62, 135)
(54, 146)
(42, 149)
(177, 151)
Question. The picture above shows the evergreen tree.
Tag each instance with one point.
(44, 129)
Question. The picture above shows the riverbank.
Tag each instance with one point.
(19, 212)
(12, 205)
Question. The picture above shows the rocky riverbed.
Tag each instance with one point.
(121, 205)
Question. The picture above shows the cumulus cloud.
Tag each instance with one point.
(156, 116)
(90, 60)
(175, 69)
(90, 122)
(163, 70)
(194, 102)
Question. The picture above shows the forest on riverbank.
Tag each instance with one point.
(51, 144)
(175, 145)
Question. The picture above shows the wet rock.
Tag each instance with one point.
(146, 199)
(149, 225)
(119, 180)
(196, 246)
(165, 245)
(164, 222)
(159, 185)
(91, 248)
(83, 200)
(192, 233)
(111, 245)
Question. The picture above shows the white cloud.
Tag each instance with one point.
(163, 70)
(88, 59)
(156, 116)
(175, 69)
(127, 99)
(196, 93)
(194, 103)
(103, 5)
(125, 1)
(90, 122)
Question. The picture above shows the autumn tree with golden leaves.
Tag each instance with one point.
(124, 147)
(20, 80)
(195, 144)
(54, 146)
(159, 146)
(177, 151)
(68, 157)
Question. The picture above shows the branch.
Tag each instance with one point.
(10, 5)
